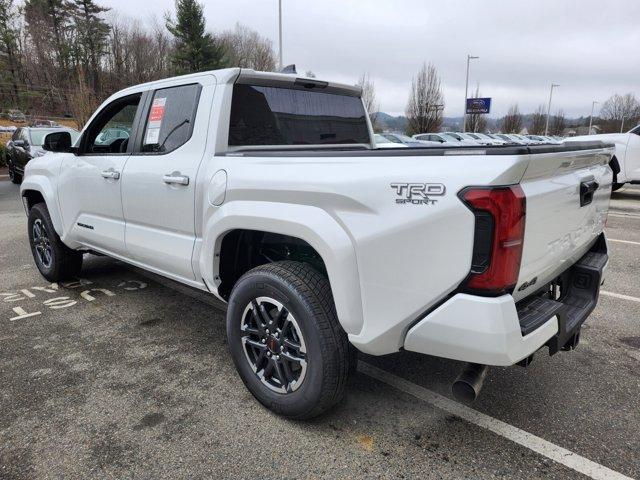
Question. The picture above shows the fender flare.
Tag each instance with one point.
(42, 185)
(311, 224)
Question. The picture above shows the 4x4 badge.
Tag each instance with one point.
(418, 193)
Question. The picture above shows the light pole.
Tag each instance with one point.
(466, 93)
(280, 34)
(546, 128)
(593, 106)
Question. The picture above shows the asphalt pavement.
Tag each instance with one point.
(123, 374)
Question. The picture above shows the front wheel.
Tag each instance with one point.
(286, 341)
(55, 261)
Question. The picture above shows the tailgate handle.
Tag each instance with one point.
(586, 192)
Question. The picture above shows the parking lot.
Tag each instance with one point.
(123, 374)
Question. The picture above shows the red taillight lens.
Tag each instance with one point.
(498, 273)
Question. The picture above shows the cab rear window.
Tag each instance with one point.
(272, 116)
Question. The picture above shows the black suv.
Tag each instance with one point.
(25, 144)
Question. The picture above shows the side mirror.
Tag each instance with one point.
(57, 142)
(19, 143)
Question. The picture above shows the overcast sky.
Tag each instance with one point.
(590, 47)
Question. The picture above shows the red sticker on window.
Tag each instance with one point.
(157, 110)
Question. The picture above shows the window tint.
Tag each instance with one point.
(170, 118)
(636, 130)
(287, 116)
(16, 134)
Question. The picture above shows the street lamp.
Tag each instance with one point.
(466, 93)
(546, 128)
(280, 34)
(593, 106)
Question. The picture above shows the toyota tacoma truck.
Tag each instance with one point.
(267, 191)
(625, 162)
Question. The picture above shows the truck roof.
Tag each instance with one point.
(250, 76)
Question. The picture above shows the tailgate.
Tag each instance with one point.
(562, 221)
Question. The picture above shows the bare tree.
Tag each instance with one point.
(426, 102)
(369, 98)
(558, 123)
(476, 122)
(617, 108)
(82, 100)
(512, 121)
(246, 48)
(539, 121)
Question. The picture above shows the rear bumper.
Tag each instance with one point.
(497, 331)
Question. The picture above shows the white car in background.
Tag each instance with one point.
(382, 142)
(464, 138)
(510, 138)
(444, 139)
(626, 161)
(407, 141)
(484, 139)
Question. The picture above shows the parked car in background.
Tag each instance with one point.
(26, 144)
(510, 138)
(8, 129)
(626, 161)
(464, 138)
(484, 139)
(382, 142)
(16, 116)
(408, 141)
(39, 122)
(442, 138)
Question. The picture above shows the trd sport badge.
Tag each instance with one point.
(418, 193)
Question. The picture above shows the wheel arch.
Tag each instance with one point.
(300, 224)
(36, 189)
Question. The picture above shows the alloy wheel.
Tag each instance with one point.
(273, 345)
(42, 244)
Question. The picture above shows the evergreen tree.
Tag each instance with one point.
(92, 34)
(195, 50)
(9, 51)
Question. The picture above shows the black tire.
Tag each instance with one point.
(306, 295)
(61, 263)
(14, 176)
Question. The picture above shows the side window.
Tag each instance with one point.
(636, 130)
(110, 131)
(16, 134)
(170, 119)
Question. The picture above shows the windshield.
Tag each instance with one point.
(450, 137)
(37, 136)
(289, 116)
(388, 137)
(380, 138)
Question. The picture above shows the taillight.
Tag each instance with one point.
(499, 235)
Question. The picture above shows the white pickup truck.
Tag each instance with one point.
(625, 162)
(265, 190)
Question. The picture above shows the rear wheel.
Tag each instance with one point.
(285, 339)
(55, 261)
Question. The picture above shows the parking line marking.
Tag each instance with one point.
(623, 241)
(624, 215)
(532, 442)
(619, 295)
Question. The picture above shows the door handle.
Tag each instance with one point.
(175, 178)
(111, 173)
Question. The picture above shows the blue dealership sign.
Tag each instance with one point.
(478, 105)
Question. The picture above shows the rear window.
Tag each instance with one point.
(287, 116)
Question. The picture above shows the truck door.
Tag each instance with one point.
(159, 181)
(89, 182)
